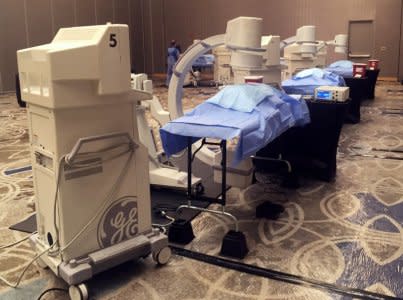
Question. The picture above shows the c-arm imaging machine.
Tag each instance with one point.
(243, 38)
(260, 57)
(250, 54)
(299, 51)
(253, 128)
(339, 42)
(161, 173)
(302, 51)
(248, 58)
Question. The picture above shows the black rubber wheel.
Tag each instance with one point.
(21, 102)
(199, 189)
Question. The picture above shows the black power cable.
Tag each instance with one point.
(280, 276)
(51, 290)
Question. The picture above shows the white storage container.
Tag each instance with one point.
(240, 176)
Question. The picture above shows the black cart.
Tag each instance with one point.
(311, 149)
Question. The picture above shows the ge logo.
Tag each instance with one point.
(119, 222)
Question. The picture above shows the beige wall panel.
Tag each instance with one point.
(13, 37)
(387, 35)
(158, 36)
(401, 50)
(137, 36)
(84, 12)
(186, 21)
(39, 22)
(148, 36)
(62, 14)
(104, 11)
(2, 50)
(122, 11)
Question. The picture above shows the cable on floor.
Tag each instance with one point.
(17, 242)
(51, 290)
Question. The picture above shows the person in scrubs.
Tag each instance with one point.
(172, 57)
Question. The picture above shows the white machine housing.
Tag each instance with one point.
(244, 45)
(231, 67)
(321, 54)
(244, 33)
(222, 65)
(243, 38)
(240, 176)
(78, 89)
(332, 93)
(303, 51)
(161, 175)
(300, 54)
(340, 46)
(340, 43)
(141, 82)
(268, 64)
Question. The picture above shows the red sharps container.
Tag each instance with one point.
(359, 70)
(373, 64)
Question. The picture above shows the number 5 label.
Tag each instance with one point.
(112, 40)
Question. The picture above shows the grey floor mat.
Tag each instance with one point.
(27, 225)
(166, 200)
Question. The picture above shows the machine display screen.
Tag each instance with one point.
(324, 95)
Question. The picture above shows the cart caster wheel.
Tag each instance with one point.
(78, 292)
(162, 257)
(41, 263)
(199, 189)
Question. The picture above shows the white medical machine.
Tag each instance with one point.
(252, 54)
(303, 51)
(222, 65)
(231, 66)
(90, 170)
(300, 53)
(161, 173)
(332, 93)
(267, 64)
(243, 38)
(339, 42)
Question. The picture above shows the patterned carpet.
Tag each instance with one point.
(348, 232)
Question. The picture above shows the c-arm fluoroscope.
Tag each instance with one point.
(248, 57)
(303, 51)
(243, 38)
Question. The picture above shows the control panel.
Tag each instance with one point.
(332, 93)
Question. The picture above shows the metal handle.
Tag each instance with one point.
(71, 156)
(359, 55)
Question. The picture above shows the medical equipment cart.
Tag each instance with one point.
(90, 171)
(234, 242)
